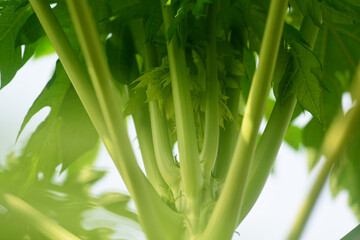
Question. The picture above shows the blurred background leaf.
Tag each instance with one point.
(66, 198)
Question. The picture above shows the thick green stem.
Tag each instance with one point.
(113, 134)
(266, 152)
(336, 139)
(101, 78)
(145, 137)
(223, 221)
(71, 63)
(274, 134)
(163, 153)
(162, 149)
(228, 136)
(141, 117)
(211, 134)
(185, 125)
(35, 218)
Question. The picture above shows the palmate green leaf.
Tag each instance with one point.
(30, 32)
(65, 201)
(337, 48)
(334, 11)
(67, 132)
(13, 15)
(302, 77)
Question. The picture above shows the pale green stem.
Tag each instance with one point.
(162, 149)
(71, 63)
(211, 134)
(185, 124)
(163, 153)
(35, 218)
(223, 221)
(228, 136)
(141, 117)
(153, 212)
(274, 134)
(145, 137)
(266, 152)
(334, 144)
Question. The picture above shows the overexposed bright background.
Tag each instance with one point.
(272, 215)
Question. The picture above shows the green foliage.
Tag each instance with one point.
(65, 199)
(139, 47)
(302, 78)
(13, 16)
(66, 133)
(337, 49)
(343, 12)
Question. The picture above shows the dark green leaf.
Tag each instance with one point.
(30, 32)
(121, 54)
(198, 9)
(345, 11)
(11, 59)
(302, 77)
(123, 11)
(353, 234)
(67, 202)
(153, 23)
(338, 49)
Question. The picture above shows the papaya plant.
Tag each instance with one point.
(196, 73)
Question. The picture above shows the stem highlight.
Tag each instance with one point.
(223, 221)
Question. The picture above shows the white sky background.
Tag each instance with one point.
(270, 218)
